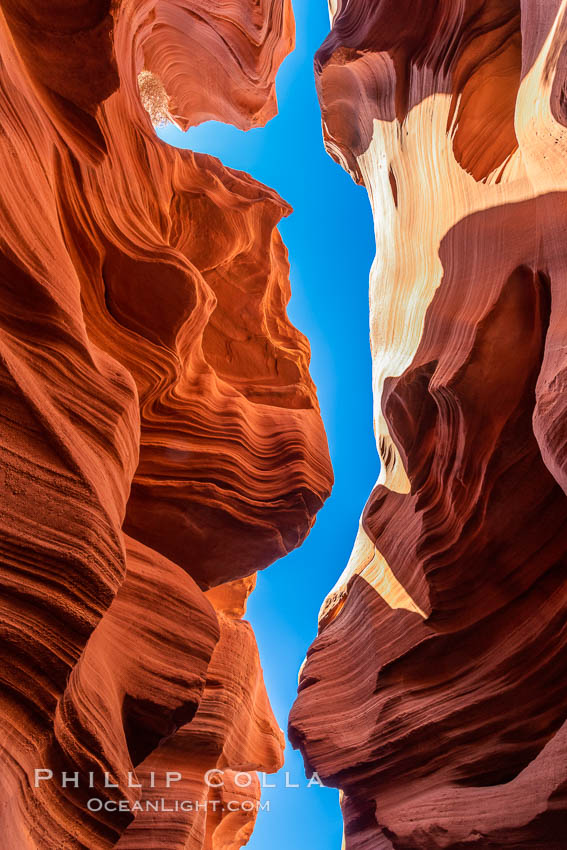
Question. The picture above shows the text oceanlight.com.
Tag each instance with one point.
(148, 797)
(95, 804)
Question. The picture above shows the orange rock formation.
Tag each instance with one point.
(159, 431)
(435, 694)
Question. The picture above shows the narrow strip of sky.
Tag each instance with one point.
(330, 240)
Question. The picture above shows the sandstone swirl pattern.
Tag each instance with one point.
(435, 695)
(160, 436)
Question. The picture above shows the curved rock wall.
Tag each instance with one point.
(159, 431)
(435, 695)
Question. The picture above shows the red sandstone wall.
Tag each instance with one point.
(159, 430)
(435, 694)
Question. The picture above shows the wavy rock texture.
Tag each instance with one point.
(159, 431)
(434, 695)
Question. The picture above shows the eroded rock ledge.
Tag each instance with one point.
(160, 436)
(435, 695)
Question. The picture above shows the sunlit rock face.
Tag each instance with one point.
(435, 694)
(160, 436)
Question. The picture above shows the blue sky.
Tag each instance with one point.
(331, 244)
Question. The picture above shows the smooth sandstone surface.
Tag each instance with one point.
(434, 695)
(160, 436)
